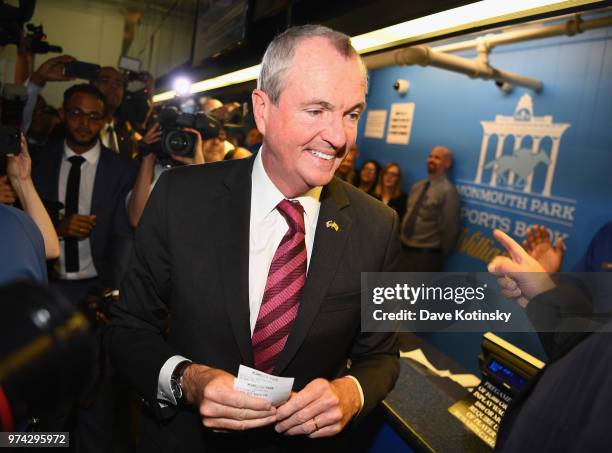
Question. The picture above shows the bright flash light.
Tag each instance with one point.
(182, 86)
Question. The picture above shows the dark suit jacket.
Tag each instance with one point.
(187, 292)
(126, 143)
(566, 407)
(111, 236)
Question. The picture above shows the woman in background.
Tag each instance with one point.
(368, 175)
(389, 188)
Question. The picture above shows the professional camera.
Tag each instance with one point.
(132, 67)
(36, 41)
(136, 103)
(12, 20)
(179, 142)
(135, 107)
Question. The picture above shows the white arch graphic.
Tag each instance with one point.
(537, 127)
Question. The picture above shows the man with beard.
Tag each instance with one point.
(91, 182)
(431, 224)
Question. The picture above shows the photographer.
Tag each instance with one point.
(18, 185)
(51, 70)
(116, 134)
(150, 169)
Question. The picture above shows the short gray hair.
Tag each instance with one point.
(280, 51)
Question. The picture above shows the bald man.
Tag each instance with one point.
(431, 224)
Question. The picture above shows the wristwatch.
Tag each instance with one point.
(176, 380)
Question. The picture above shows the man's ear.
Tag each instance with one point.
(261, 108)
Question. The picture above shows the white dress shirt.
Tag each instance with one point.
(266, 230)
(88, 177)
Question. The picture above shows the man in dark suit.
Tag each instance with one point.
(566, 406)
(115, 134)
(218, 275)
(92, 183)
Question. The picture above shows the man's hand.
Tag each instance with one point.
(7, 194)
(76, 226)
(198, 155)
(320, 409)
(52, 70)
(521, 277)
(539, 247)
(152, 135)
(222, 407)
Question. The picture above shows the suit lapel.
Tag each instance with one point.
(101, 181)
(327, 251)
(232, 224)
(53, 183)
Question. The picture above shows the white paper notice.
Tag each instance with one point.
(375, 124)
(257, 383)
(400, 123)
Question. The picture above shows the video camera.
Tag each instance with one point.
(179, 142)
(12, 20)
(36, 41)
(135, 105)
(12, 102)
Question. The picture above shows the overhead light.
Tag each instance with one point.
(182, 86)
(481, 13)
(231, 78)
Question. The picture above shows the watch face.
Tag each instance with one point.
(177, 391)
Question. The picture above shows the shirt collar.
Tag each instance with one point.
(91, 156)
(437, 180)
(266, 196)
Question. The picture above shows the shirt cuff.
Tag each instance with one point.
(360, 392)
(164, 388)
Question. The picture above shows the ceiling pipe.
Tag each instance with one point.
(572, 27)
(480, 67)
(477, 68)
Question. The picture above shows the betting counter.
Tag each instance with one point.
(436, 406)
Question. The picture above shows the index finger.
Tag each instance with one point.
(85, 219)
(517, 253)
(296, 402)
(241, 400)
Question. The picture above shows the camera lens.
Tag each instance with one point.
(180, 143)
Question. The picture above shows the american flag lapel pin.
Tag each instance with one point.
(333, 225)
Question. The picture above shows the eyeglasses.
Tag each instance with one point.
(77, 114)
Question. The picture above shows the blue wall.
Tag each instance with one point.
(449, 107)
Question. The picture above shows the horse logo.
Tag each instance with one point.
(521, 163)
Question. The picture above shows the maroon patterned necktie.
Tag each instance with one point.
(281, 297)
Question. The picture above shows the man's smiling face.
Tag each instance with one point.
(308, 132)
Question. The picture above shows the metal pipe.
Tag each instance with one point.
(424, 56)
(570, 28)
(479, 67)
